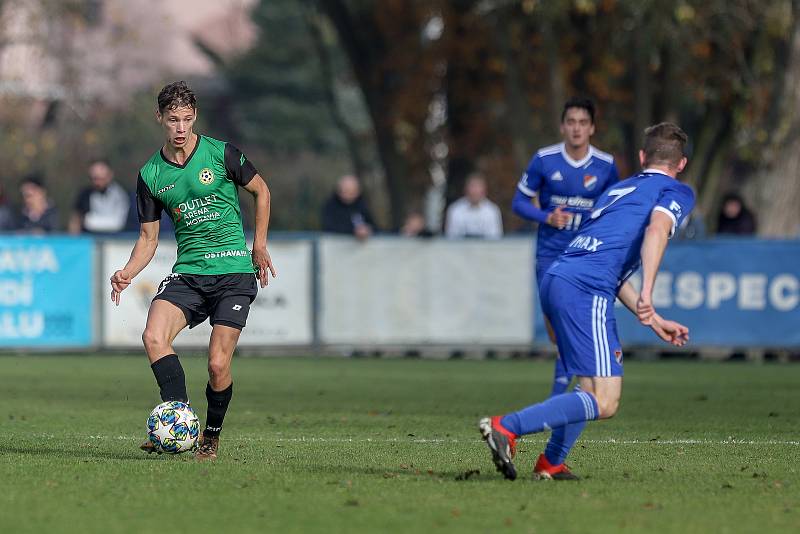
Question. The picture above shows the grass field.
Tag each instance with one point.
(368, 445)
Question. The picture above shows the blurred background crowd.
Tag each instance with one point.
(398, 116)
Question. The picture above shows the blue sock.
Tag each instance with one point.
(554, 412)
(562, 440)
(561, 378)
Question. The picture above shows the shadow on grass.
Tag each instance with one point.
(406, 473)
(77, 453)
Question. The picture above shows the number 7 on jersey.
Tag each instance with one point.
(614, 195)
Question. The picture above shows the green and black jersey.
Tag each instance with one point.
(202, 199)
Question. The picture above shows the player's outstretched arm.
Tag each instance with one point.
(143, 252)
(655, 242)
(261, 259)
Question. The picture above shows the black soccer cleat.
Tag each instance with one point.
(502, 443)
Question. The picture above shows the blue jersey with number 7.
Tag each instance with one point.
(606, 249)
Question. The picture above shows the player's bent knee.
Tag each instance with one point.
(152, 340)
(218, 369)
(607, 407)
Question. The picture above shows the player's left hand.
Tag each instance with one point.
(672, 332)
(263, 263)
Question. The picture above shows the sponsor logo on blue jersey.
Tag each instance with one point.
(585, 242)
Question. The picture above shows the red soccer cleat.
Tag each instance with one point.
(544, 470)
(502, 443)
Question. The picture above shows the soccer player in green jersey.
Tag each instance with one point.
(194, 179)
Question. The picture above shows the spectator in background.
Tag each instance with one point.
(101, 208)
(474, 215)
(7, 218)
(38, 214)
(734, 217)
(414, 226)
(346, 211)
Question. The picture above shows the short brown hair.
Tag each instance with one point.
(176, 95)
(664, 144)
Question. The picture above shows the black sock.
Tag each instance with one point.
(170, 378)
(217, 406)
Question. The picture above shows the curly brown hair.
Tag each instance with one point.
(176, 95)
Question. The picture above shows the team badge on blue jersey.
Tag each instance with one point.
(589, 181)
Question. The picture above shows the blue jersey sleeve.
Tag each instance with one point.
(531, 181)
(677, 201)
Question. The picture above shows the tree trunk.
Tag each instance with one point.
(778, 200)
(366, 55)
(328, 80)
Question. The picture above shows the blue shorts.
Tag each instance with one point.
(542, 264)
(585, 327)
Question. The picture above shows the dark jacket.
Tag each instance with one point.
(743, 224)
(47, 223)
(8, 219)
(341, 218)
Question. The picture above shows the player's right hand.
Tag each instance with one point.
(558, 218)
(119, 281)
(672, 332)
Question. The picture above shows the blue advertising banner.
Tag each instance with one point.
(46, 292)
(729, 292)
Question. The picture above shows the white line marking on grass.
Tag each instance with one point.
(610, 441)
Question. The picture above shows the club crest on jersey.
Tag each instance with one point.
(206, 176)
(589, 181)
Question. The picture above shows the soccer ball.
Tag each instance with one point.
(173, 427)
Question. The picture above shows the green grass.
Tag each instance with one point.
(319, 445)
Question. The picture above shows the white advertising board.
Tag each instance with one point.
(281, 315)
(398, 291)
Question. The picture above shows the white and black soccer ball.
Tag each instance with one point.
(173, 427)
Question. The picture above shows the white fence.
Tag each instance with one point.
(383, 292)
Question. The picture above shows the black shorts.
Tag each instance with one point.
(226, 298)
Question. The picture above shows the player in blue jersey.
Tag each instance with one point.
(628, 228)
(566, 179)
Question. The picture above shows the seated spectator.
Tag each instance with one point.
(101, 208)
(474, 215)
(414, 226)
(38, 214)
(734, 217)
(7, 217)
(346, 211)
